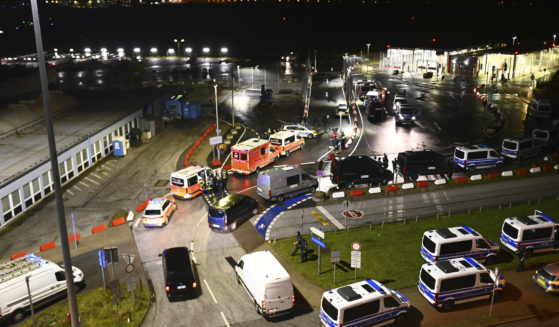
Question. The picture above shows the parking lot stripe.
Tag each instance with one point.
(71, 193)
(200, 221)
(210, 290)
(79, 189)
(137, 223)
(84, 184)
(104, 173)
(96, 176)
(330, 217)
(91, 180)
(224, 319)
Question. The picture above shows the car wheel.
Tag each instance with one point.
(384, 182)
(448, 305)
(258, 169)
(311, 136)
(401, 319)
(280, 198)
(499, 166)
(312, 189)
(287, 153)
(414, 177)
(18, 316)
(254, 211)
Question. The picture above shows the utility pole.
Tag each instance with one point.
(66, 258)
(368, 59)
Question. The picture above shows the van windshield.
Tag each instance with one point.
(215, 212)
(511, 231)
(459, 154)
(428, 244)
(510, 145)
(275, 141)
(406, 110)
(152, 212)
(329, 309)
(427, 279)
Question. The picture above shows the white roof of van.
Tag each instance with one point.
(444, 235)
(249, 144)
(282, 134)
(268, 263)
(360, 291)
(453, 267)
(538, 219)
(190, 170)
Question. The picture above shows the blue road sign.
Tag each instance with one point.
(318, 242)
(102, 261)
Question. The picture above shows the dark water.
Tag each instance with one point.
(266, 29)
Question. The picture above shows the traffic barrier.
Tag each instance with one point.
(74, 237)
(535, 170)
(216, 162)
(227, 167)
(534, 165)
(98, 229)
(556, 167)
(493, 175)
(47, 246)
(356, 192)
(461, 179)
(475, 177)
(18, 255)
(374, 190)
(118, 221)
(522, 171)
(507, 173)
(337, 195)
(422, 184)
(143, 205)
(407, 186)
(441, 181)
(391, 188)
(185, 164)
(546, 168)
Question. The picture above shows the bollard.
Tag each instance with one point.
(480, 209)
(539, 199)
(449, 213)
(382, 224)
(499, 207)
(370, 225)
(437, 216)
(469, 211)
(528, 202)
(416, 218)
(404, 221)
(510, 204)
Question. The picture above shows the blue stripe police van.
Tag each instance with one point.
(365, 303)
(447, 283)
(477, 156)
(520, 147)
(453, 242)
(530, 234)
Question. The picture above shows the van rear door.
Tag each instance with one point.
(279, 296)
(263, 187)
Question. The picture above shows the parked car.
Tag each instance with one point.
(411, 164)
(283, 182)
(428, 75)
(353, 170)
(547, 277)
(343, 109)
(230, 211)
(180, 280)
(158, 212)
(301, 130)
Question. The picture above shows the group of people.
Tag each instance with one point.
(217, 182)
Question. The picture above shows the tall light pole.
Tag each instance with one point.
(251, 77)
(217, 131)
(178, 42)
(554, 36)
(66, 258)
(368, 45)
(513, 40)
(239, 76)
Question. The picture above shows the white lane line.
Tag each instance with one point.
(246, 189)
(84, 184)
(200, 221)
(307, 163)
(110, 163)
(209, 289)
(330, 217)
(437, 125)
(224, 319)
(104, 173)
(168, 195)
(91, 180)
(71, 193)
(79, 189)
(96, 176)
(137, 222)
(327, 153)
(361, 132)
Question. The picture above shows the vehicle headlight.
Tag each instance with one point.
(413, 118)
(400, 116)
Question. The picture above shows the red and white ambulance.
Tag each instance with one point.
(286, 142)
(186, 183)
(252, 155)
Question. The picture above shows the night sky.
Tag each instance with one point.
(266, 29)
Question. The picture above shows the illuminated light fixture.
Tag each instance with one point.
(171, 51)
(86, 50)
(120, 50)
(188, 50)
(224, 50)
(206, 50)
(103, 50)
(153, 50)
(137, 50)
(1, 32)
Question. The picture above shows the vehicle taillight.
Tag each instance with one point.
(518, 245)
(405, 169)
(437, 258)
(436, 297)
(465, 163)
(293, 298)
(194, 284)
(269, 194)
(167, 289)
(263, 305)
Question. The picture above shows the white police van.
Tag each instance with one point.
(536, 233)
(477, 156)
(453, 242)
(365, 303)
(460, 280)
(548, 137)
(520, 147)
(539, 108)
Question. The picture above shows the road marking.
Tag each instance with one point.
(209, 289)
(84, 184)
(307, 163)
(320, 219)
(96, 176)
(200, 221)
(91, 180)
(437, 125)
(324, 155)
(168, 195)
(79, 189)
(137, 222)
(107, 168)
(71, 193)
(281, 121)
(330, 217)
(224, 319)
(104, 173)
(246, 189)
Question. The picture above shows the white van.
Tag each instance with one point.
(548, 137)
(453, 242)
(536, 233)
(267, 283)
(365, 303)
(539, 108)
(460, 280)
(47, 281)
(286, 142)
(477, 156)
(283, 182)
(519, 147)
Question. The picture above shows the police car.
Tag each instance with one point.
(477, 156)
(530, 234)
(365, 303)
(447, 283)
(158, 212)
(447, 243)
(301, 130)
(520, 147)
(548, 277)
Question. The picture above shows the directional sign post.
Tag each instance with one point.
(320, 243)
(334, 259)
(103, 264)
(355, 257)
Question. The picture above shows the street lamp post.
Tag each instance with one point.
(368, 45)
(251, 77)
(513, 40)
(217, 131)
(554, 36)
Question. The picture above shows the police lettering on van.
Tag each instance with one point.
(365, 303)
(530, 234)
(477, 156)
(519, 147)
(453, 242)
(450, 282)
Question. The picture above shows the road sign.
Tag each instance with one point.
(355, 246)
(128, 258)
(317, 232)
(216, 140)
(346, 203)
(129, 268)
(111, 254)
(355, 259)
(334, 256)
(318, 242)
(353, 214)
(102, 261)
